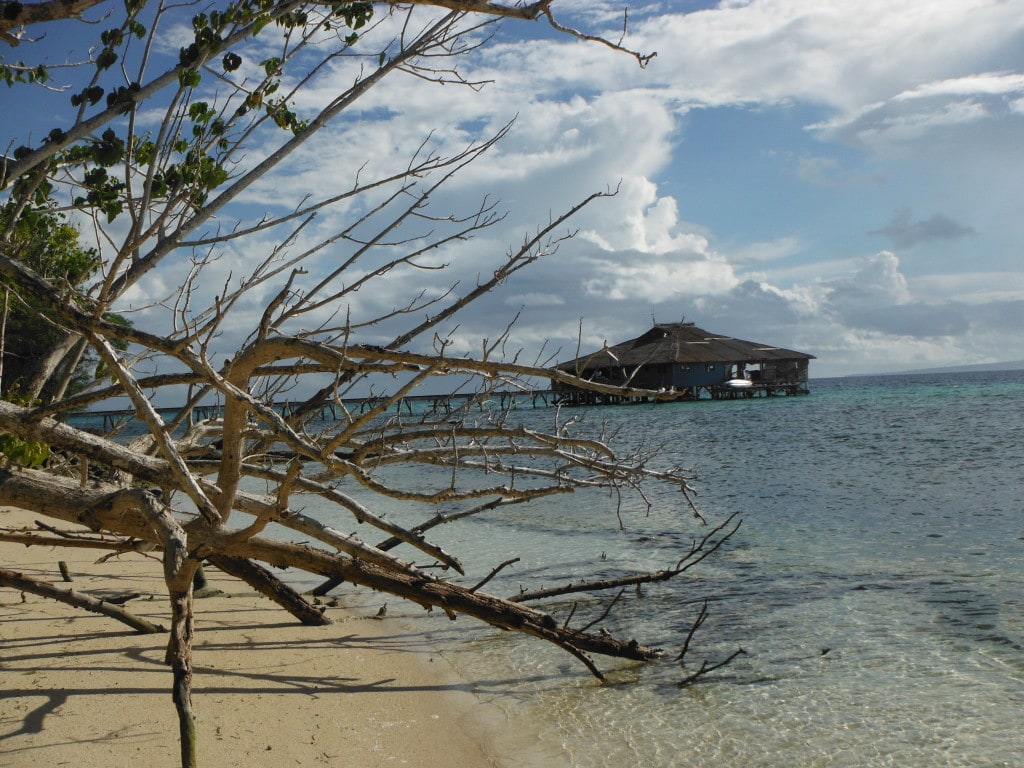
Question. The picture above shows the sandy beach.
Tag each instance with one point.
(85, 690)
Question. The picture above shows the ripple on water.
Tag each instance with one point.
(877, 526)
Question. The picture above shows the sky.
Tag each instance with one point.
(839, 177)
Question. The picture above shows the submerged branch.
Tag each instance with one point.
(698, 551)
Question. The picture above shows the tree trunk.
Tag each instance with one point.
(44, 367)
(179, 658)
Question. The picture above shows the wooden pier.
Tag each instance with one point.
(450, 403)
(412, 404)
(582, 397)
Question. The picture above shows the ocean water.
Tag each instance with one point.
(876, 585)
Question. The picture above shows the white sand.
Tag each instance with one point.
(80, 689)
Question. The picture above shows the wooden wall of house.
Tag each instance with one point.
(699, 375)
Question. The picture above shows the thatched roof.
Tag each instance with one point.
(682, 343)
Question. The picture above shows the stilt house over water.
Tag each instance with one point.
(683, 362)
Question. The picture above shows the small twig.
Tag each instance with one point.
(607, 610)
(706, 669)
(86, 542)
(586, 660)
(643, 59)
(25, 583)
(571, 614)
(494, 573)
(698, 552)
(693, 628)
(56, 531)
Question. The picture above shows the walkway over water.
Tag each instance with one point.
(532, 398)
(448, 403)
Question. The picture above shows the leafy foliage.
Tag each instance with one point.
(18, 450)
(43, 240)
(24, 453)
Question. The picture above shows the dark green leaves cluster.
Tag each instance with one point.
(102, 190)
(355, 15)
(90, 96)
(44, 241)
(199, 172)
(194, 165)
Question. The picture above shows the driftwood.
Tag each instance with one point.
(270, 586)
(14, 580)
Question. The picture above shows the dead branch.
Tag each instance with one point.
(30, 539)
(14, 580)
(604, 614)
(693, 628)
(309, 319)
(698, 551)
(494, 572)
(706, 669)
(268, 585)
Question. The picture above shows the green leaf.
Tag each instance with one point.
(106, 59)
(25, 453)
(259, 23)
(112, 38)
(271, 65)
(189, 78)
(200, 111)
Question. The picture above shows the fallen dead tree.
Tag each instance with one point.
(193, 490)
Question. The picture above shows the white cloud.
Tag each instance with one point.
(758, 253)
(831, 52)
(991, 83)
(885, 75)
(637, 219)
(975, 288)
(643, 279)
(877, 283)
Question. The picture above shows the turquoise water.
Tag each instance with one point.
(876, 584)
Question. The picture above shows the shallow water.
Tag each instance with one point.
(875, 584)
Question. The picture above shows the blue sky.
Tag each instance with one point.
(839, 177)
(836, 176)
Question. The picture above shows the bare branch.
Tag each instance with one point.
(14, 580)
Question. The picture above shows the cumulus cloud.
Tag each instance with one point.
(830, 52)
(586, 121)
(639, 278)
(878, 283)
